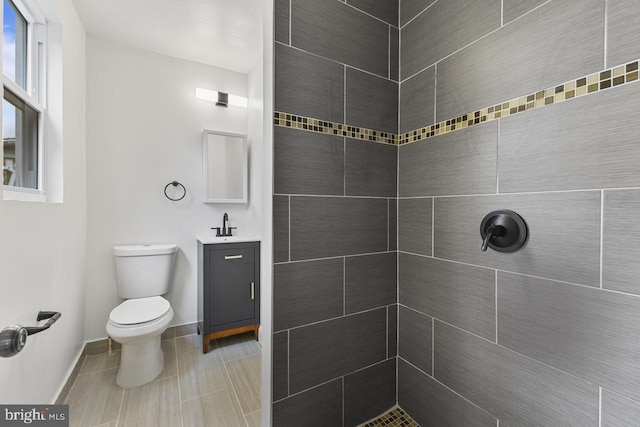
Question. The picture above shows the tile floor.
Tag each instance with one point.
(220, 388)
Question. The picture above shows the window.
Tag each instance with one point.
(23, 104)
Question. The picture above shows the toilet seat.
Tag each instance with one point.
(137, 311)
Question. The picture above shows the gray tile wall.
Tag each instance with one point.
(515, 389)
(372, 102)
(335, 214)
(341, 33)
(546, 335)
(462, 162)
(409, 9)
(480, 63)
(442, 30)
(513, 9)
(384, 10)
(417, 100)
(431, 404)
(587, 143)
(618, 411)
(530, 338)
(328, 350)
(369, 392)
(623, 40)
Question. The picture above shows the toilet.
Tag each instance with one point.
(144, 273)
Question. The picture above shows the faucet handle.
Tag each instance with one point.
(218, 234)
(230, 229)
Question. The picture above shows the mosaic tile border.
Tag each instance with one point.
(395, 417)
(592, 83)
(582, 86)
(333, 128)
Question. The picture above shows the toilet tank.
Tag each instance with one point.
(144, 270)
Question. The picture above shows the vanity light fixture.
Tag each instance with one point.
(221, 98)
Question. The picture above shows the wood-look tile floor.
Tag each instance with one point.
(220, 388)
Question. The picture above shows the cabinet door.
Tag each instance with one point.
(232, 299)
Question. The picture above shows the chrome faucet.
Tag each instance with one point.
(226, 231)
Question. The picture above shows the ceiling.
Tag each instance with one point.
(222, 33)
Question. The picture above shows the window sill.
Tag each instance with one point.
(23, 194)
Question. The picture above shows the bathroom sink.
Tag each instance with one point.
(232, 239)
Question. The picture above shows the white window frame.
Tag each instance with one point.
(34, 96)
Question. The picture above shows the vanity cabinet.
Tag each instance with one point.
(228, 290)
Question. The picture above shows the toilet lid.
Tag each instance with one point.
(139, 310)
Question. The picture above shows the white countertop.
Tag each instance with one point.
(232, 239)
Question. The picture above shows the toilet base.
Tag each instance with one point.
(140, 363)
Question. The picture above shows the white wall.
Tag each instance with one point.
(266, 273)
(42, 255)
(144, 130)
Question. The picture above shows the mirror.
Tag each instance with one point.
(225, 167)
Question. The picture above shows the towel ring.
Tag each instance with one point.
(175, 184)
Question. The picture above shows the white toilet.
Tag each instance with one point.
(144, 272)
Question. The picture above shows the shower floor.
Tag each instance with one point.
(395, 417)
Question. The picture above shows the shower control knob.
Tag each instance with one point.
(12, 340)
(503, 231)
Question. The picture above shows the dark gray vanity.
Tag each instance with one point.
(228, 288)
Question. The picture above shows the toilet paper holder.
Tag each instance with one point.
(13, 338)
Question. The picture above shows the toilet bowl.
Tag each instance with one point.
(143, 273)
(137, 324)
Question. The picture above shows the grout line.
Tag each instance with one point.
(433, 226)
(318, 322)
(344, 286)
(387, 340)
(344, 166)
(331, 257)
(289, 224)
(636, 401)
(233, 387)
(342, 383)
(524, 193)
(121, 405)
(397, 357)
(290, 20)
(334, 196)
(389, 53)
(366, 13)
(435, 96)
(629, 294)
(599, 406)
(498, 158)
(397, 329)
(333, 60)
(344, 94)
(606, 30)
(433, 347)
(496, 304)
(288, 367)
(418, 14)
(175, 347)
(601, 235)
(388, 225)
